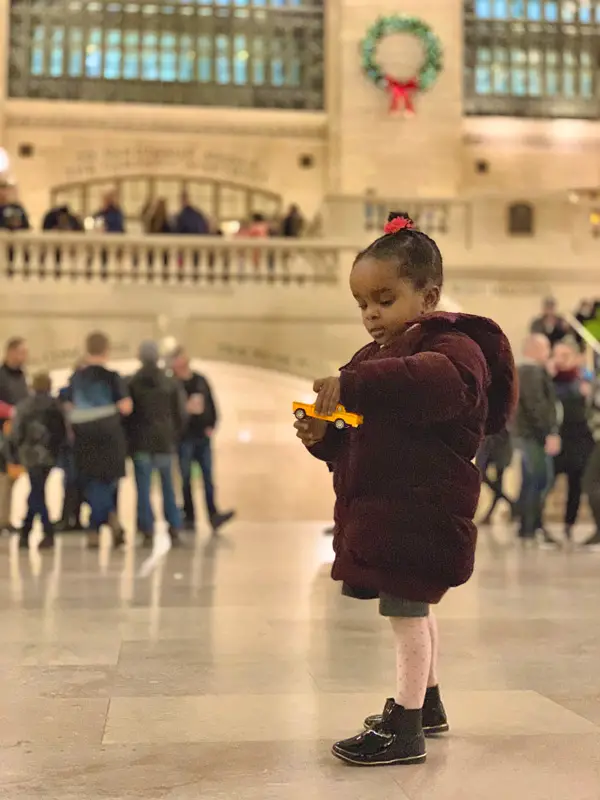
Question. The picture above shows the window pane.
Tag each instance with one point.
(75, 52)
(186, 58)
(93, 54)
(222, 61)
(37, 50)
(112, 55)
(150, 57)
(258, 61)
(168, 57)
(483, 8)
(57, 52)
(131, 60)
(204, 59)
(240, 63)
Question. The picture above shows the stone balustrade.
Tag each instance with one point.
(166, 259)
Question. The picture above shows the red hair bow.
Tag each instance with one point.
(398, 224)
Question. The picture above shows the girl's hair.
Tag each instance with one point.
(417, 256)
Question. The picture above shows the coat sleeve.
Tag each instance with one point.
(212, 415)
(330, 447)
(432, 386)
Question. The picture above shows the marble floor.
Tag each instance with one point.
(225, 669)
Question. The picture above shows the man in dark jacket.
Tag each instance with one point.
(190, 220)
(550, 323)
(536, 430)
(13, 389)
(154, 429)
(99, 400)
(38, 432)
(195, 444)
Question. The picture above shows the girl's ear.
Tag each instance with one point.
(431, 298)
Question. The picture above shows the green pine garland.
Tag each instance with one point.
(384, 26)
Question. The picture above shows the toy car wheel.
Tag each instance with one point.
(300, 413)
(340, 424)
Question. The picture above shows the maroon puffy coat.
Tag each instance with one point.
(406, 487)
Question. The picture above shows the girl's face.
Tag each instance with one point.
(386, 300)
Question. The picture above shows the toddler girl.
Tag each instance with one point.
(430, 387)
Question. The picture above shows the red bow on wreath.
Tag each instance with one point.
(401, 94)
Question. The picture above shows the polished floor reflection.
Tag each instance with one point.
(225, 669)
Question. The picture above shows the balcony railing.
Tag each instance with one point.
(500, 267)
(176, 260)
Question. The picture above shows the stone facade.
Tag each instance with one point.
(354, 147)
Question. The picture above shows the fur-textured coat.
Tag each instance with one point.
(406, 487)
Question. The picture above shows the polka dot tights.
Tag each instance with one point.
(416, 658)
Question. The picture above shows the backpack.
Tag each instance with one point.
(34, 442)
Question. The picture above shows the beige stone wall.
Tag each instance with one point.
(369, 148)
(298, 330)
(79, 142)
(530, 158)
(356, 145)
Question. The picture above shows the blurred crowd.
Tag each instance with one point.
(556, 430)
(156, 218)
(162, 418)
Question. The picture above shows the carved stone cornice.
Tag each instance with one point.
(142, 119)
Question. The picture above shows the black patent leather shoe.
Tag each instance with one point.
(435, 720)
(398, 740)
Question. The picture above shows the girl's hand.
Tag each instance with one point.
(328, 390)
(310, 431)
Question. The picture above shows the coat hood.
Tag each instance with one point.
(503, 388)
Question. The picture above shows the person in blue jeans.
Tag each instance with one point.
(536, 430)
(98, 402)
(154, 428)
(196, 445)
(38, 433)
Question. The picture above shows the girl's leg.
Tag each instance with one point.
(434, 637)
(413, 660)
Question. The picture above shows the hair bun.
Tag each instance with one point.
(398, 221)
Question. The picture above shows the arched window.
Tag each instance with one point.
(532, 58)
(521, 219)
(258, 53)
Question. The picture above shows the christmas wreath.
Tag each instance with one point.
(402, 92)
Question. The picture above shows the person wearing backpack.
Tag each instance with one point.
(38, 433)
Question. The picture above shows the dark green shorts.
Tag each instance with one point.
(389, 605)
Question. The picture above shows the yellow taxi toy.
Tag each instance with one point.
(340, 418)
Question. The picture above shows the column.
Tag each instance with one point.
(370, 149)
(4, 62)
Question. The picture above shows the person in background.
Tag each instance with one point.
(38, 433)
(190, 220)
(13, 389)
(195, 445)
(156, 217)
(99, 398)
(576, 438)
(154, 428)
(293, 223)
(110, 217)
(13, 216)
(591, 477)
(61, 218)
(550, 324)
(73, 491)
(495, 453)
(536, 435)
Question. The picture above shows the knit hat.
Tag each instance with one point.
(148, 352)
